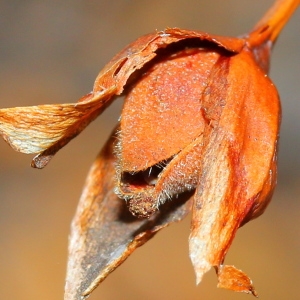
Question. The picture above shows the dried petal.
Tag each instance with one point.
(144, 49)
(47, 128)
(104, 233)
(238, 173)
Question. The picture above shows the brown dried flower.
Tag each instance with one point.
(198, 131)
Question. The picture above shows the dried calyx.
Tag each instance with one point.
(200, 116)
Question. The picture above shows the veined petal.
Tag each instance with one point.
(104, 233)
(215, 215)
(47, 128)
(238, 171)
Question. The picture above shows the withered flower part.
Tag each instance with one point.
(198, 132)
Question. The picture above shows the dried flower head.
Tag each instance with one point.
(198, 132)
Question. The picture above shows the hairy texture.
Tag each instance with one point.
(171, 103)
(198, 132)
(104, 233)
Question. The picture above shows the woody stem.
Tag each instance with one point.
(270, 25)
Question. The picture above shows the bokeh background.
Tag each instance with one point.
(50, 52)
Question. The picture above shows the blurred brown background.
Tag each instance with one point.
(51, 51)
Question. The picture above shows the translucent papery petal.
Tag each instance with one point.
(218, 207)
(238, 172)
(104, 233)
(47, 128)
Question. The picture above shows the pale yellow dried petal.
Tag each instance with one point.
(35, 129)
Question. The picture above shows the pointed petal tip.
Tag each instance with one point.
(198, 278)
(68, 296)
(201, 267)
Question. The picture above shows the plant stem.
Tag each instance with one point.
(270, 25)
